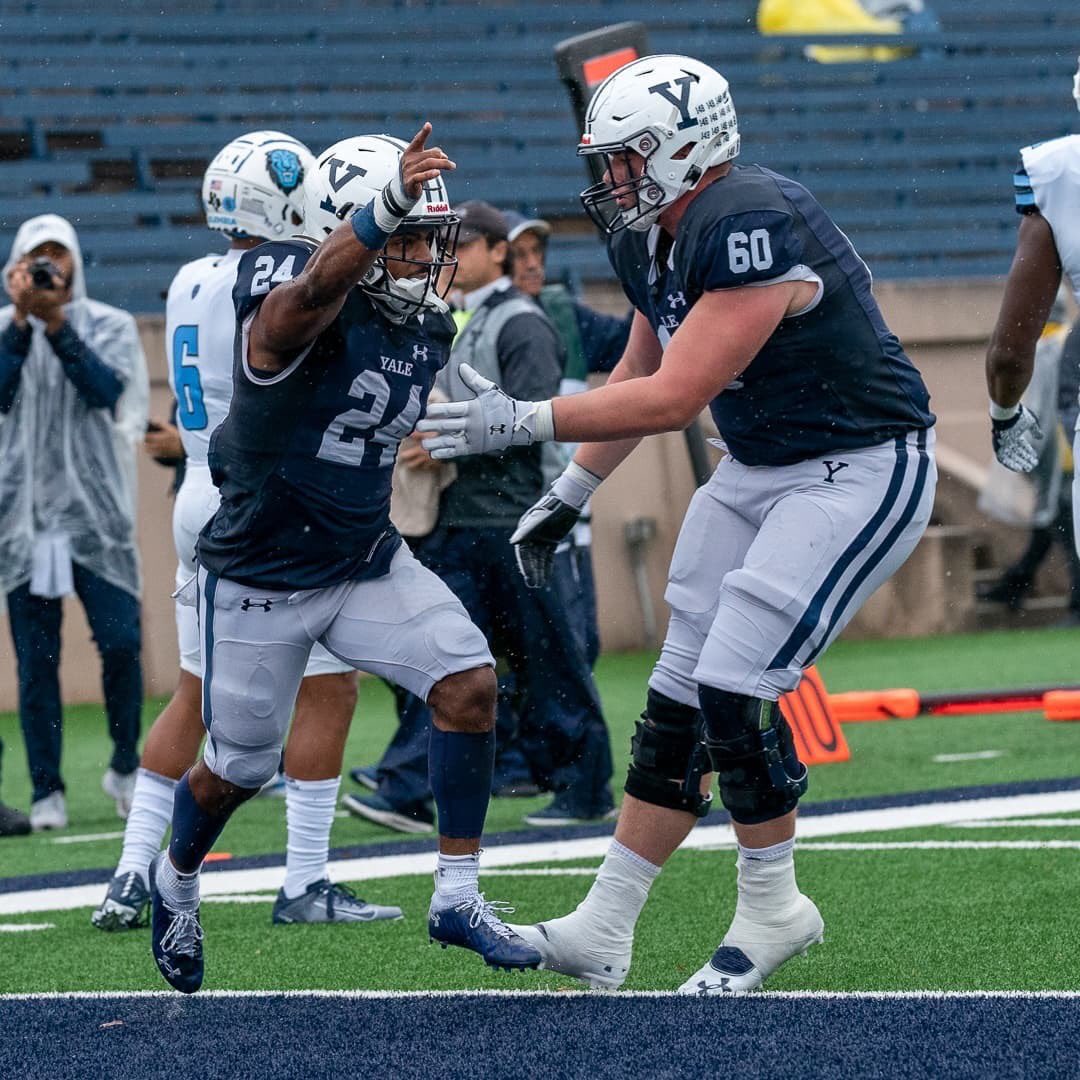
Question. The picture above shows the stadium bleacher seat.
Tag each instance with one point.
(112, 115)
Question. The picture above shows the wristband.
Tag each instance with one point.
(1003, 412)
(539, 421)
(367, 230)
(575, 485)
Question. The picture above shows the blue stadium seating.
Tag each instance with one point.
(109, 116)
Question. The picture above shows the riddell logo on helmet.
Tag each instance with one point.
(437, 208)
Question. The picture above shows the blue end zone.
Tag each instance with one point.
(554, 1035)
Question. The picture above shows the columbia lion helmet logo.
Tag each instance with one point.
(285, 169)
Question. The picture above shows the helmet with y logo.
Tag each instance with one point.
(346, 177)
(676, 114)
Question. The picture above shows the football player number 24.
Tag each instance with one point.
(190, 410)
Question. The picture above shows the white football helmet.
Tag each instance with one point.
(253, 186)
(677, 114)
(348, 176)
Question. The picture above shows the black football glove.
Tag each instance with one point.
(546, 525)
(540, 531)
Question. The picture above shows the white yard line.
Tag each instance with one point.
(749, 1000)
(23, 927)
(87, 838)
(974, 755)
(941, 845)
(1022, 823)
(705, 837)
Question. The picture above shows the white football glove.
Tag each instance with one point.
(543, 527)
(488, 424)
(1014, 438)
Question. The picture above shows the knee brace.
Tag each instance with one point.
(668, 757)
(753, 754)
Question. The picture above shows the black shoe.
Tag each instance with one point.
(1010, 590)
(366, 776)
(516, 789)
(560, 811)
(13, 822)
(409, 819)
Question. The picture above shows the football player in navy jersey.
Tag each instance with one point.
(750, 301)
(339, 337)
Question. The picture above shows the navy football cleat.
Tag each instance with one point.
(125, 904)
(474, 924)
(328, 902)
(176, 939)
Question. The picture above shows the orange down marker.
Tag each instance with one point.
(818, 738)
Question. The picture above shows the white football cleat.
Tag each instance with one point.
(121, 788)
(569, 950)
(751, 952)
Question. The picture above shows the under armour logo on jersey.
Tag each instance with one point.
(497, 429)
(419, 354)
(676, 300)
(262, 605)
(682, 102)
(337, 180)
(833, 468)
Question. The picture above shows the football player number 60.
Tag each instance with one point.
(746, 251)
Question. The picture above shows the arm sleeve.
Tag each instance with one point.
(14, 348)
(531, 358)
(603, 337)
(751, 248)
(98, 385)
(1023, 195)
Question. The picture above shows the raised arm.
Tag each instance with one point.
(296, 312)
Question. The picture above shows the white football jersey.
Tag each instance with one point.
(1053, 171)
(200, 324)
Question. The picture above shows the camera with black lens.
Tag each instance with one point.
(43, 272)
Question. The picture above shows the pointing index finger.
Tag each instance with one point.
(419, 138)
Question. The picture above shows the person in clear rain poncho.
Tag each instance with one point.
(73, 406)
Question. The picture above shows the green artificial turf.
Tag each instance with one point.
(895, 920)
(886, 757)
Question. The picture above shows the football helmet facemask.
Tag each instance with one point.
(346, 178)
(1076, 84)
(253, 186)
(673, 111)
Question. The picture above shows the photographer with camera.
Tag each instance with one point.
(73, 405)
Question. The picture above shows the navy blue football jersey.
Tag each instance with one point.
(831, 377)
(304, 458)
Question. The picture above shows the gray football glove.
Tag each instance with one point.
(543, 527)
(1014, 440)
(489, 423)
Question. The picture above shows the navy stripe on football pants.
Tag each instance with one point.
(811, 618)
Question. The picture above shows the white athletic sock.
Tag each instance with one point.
(619, 893)
(309, 813)
(767, 888)
(456, 878)
(147, 822)
(179, 891)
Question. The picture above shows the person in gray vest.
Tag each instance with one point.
(503, 334)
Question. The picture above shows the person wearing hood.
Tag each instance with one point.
(73, 407)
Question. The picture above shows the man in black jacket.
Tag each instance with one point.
(505, 335)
